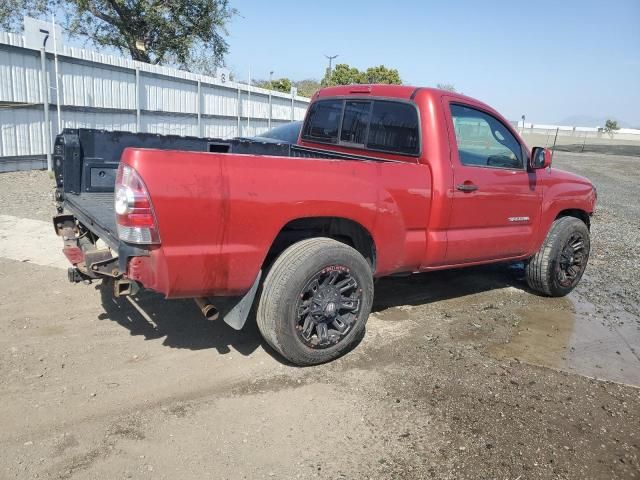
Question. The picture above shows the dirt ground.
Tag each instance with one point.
(462, 375)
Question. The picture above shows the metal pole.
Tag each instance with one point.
(238, 110)
(249, 109)
(198, 108)
(270, 105)
(137, 100)
(45, 103)
(293, 98)
(55, 63)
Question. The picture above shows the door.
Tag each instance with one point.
(495, 202)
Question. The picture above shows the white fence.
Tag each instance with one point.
(625, 141)
(113, 93)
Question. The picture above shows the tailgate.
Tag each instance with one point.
(96, 212)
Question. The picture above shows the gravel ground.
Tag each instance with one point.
(27, 195)
(462, 374)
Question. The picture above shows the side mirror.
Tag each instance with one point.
(540, 158)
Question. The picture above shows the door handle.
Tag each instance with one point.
(467, 187)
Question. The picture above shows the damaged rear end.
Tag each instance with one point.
(137, 233)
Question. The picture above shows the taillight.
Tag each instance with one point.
(134, 212)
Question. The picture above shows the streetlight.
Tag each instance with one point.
(330, 58)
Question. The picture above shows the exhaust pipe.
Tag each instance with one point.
(208, 310)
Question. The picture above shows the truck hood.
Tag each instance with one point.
(571, 190)
(568, 177)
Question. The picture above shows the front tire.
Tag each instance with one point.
(315, 301)
(559, 264)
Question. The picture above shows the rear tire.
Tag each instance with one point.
(315, 301)
(559, 264)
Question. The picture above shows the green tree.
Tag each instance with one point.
(307, 87)
(282, 85)
(343, 74)
(154, 31)
(611, 127)
(279, 85)
(12, 11)
(382, 74)
(165, 32)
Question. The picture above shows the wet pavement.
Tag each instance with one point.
(572, 337)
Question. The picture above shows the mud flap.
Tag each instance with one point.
(235, 310)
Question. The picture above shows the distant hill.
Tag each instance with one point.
(589, 121)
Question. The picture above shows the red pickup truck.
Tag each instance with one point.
(382, 180)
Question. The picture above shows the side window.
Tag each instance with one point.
(355, 122)
(324, 121)
(394, 128)
(483, 140)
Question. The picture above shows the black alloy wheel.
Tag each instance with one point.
(328, 307)
(572, 261)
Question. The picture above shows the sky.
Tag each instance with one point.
(548, 60)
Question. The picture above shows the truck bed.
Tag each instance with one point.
(86, 161)
(95, 211)
(85, 165)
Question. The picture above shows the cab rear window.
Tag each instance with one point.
(394, 128)
(323, 121)
(378, 125)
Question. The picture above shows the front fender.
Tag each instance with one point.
(564, 194)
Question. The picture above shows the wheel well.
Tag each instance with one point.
(579, 214)
(341, 229)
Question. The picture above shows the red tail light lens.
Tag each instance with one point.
(134, 212)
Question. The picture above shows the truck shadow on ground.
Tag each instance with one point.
(424, 288)
(182, 324)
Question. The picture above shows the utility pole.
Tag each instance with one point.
(330, 58)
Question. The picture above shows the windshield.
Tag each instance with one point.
(287, 133)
